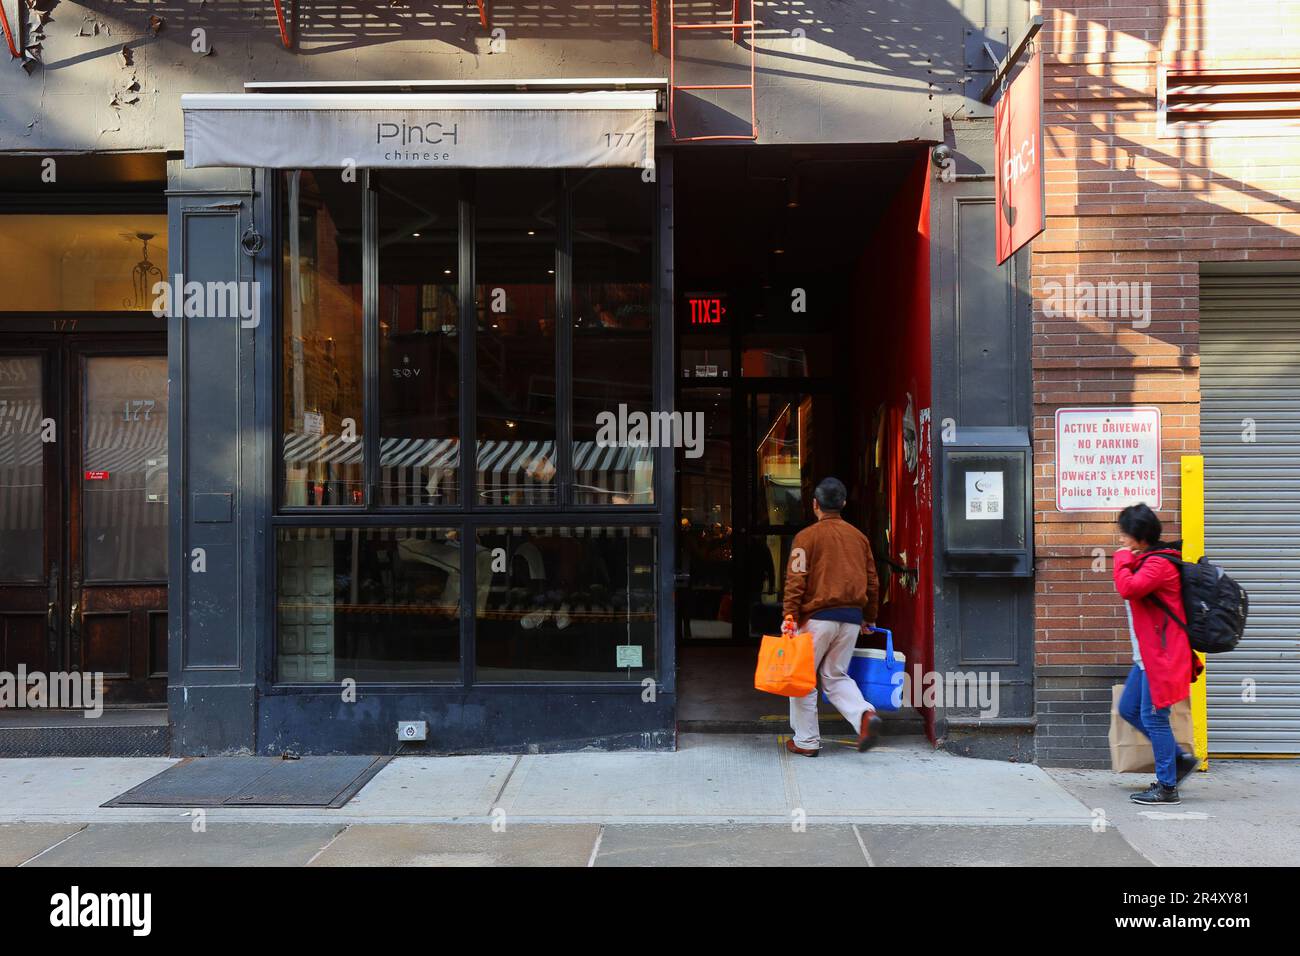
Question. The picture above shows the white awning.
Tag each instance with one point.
(414, 130)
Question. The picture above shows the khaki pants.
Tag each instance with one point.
(833, 645)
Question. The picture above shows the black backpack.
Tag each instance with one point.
(1214, 605)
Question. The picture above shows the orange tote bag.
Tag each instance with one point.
(786, 665)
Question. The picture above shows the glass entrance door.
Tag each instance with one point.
(743, 501)
(791, 448)
(30, 515)
(706, 536)
(83, 511)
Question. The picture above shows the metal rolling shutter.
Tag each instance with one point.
(1250, 369)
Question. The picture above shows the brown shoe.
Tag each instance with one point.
(789, 745)
(869, 734)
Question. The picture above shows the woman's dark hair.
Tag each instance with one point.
(1141, 524)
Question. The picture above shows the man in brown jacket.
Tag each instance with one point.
(831, 591)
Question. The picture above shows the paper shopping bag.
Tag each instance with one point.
(786, 665)
(1130, 751)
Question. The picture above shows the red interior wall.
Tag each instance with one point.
(890, 317)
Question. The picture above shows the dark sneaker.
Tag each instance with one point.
(869, 733)
(1157, 794)
(790, 746)
(1186, 764)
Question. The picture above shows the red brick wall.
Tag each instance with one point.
(1126, 204)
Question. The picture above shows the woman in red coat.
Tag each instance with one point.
(1163, 663)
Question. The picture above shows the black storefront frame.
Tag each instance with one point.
(467, 517)
(662, 346)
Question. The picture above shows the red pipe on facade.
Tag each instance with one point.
(9, 33)
(279, 15)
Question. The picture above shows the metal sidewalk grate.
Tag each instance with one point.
(255, 782)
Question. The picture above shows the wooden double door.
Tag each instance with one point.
(83, 508)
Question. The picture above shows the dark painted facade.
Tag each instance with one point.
(899, 73)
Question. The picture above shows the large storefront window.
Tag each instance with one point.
(613, 351)
(419, 338)
(515, 232)
(567, 604)
(323, 417)
(501, 311)
(370, 604)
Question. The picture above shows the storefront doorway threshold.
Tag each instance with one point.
(716, 695)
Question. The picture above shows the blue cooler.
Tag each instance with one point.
(879, 674)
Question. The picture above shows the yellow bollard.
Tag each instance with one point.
(1193, 522)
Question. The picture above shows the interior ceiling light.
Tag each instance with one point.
(143, 274)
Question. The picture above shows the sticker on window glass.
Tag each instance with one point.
(155, 480)
(984, 496)
(627, 655)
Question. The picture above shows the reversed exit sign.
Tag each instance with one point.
(705, 309)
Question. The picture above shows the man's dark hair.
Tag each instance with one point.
(831, 494)
(1140, 523)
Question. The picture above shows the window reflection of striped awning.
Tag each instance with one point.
(437, 533)
(521, 469)
(302, 449)
(361, 534)
(132, 452)
(109, 443)
(419, 453)
(20, 435)
(566, 531)
(125, 515)
(125, 447)
(22, 495)
(601, 474)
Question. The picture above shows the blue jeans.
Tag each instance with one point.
(1135, 707)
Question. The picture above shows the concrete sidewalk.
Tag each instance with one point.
(1240, 813)
(710, 779)
(718, 801)
(523, 844)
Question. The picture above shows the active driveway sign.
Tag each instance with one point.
(1107, 458)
